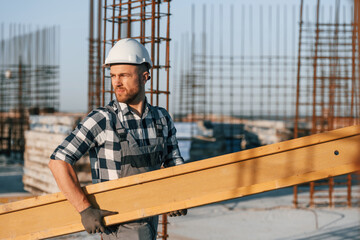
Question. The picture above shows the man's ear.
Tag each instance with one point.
(146, 76)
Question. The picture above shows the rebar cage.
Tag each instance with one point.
(144, 20)
(29, 81)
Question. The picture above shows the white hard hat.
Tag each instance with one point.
(128, 50)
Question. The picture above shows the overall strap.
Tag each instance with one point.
(120, 130)
(157, 121)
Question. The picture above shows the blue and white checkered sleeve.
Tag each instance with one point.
(173, 157)
(81, 139)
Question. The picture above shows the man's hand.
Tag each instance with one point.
(176, 213)
(92, 219)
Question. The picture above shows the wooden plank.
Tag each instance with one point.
(7, 199)
(190, 185)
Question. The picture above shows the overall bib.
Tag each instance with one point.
(136, 160)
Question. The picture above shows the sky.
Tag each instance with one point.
(73, 19)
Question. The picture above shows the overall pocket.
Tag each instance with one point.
(145, 160)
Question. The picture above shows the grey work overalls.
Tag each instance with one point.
(136, 160)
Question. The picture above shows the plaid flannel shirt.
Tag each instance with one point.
(96, 134)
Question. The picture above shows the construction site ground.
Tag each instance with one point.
(268, 215)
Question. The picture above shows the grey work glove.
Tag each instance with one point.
(92, 219)
(176, 213)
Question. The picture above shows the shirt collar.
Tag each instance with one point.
(125, 109)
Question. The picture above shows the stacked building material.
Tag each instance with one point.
(269, 131)
(214, 139)
(45, 134)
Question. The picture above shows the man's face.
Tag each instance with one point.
(128, 82)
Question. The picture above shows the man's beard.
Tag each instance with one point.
(127, 96)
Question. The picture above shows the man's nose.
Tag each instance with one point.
(117, 80)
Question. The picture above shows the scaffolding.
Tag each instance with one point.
(29, 81)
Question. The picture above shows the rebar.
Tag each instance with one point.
(29, 81)
(235, 82)
(310, 83)
(327, 86)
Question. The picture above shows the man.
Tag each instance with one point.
(127, 137)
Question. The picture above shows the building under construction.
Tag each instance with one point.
(271, 70)
(260, 70)
(29, 84)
